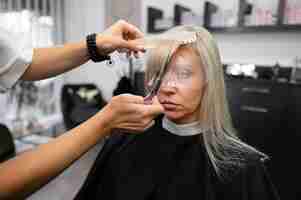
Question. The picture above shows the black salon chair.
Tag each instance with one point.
(78, 105)
(7, 146)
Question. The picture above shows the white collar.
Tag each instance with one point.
(190, 129)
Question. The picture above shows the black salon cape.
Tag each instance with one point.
(158, 165)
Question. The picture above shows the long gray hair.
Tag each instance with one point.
(226, 151)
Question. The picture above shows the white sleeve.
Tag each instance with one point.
(15, 56)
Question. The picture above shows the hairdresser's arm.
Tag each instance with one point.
(26, 173)
(49, 62)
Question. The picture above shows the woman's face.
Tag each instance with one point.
(181, 89)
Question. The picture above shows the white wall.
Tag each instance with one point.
(83, 17)
(260, 48)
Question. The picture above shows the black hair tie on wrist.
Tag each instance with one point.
(92, 49)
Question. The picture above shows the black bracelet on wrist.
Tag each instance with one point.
(92, 49)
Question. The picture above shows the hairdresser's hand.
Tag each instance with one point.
(118, 37)
(129, 113)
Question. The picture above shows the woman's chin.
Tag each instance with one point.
(179, 117)
(173, 116)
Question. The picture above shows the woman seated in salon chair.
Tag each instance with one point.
(192, 152)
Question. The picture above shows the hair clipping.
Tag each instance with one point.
(154, 41)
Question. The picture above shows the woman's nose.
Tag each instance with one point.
(167, 87)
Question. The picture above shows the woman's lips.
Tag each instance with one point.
(169, 105)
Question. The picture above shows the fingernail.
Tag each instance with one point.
(142, 48)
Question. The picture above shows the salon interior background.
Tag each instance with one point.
(258, 47)
(58, 21)
(255, 48)
(33, 23)
(79, 18)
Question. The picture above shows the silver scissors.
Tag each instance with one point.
(156, 84)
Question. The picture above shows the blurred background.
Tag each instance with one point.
(260, 44)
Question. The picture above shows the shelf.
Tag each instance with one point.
(256, 29)
(245, 8)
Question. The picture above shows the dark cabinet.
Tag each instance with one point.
(267, 115)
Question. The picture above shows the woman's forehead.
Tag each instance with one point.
(185, 56)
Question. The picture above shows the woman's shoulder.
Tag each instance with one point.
(253, 161)
(252, 169)
(256, 158)
(251, 181)
(249, 163)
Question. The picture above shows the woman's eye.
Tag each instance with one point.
(184, 74)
